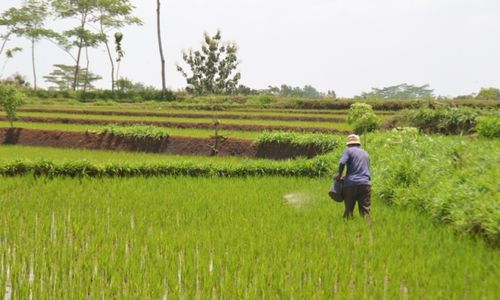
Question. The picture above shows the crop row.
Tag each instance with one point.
(82, 168)
(238, 238)
(453, 179)
(196, 115)
(110, 118)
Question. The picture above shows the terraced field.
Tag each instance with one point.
(82, 223)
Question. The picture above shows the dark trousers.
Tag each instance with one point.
(359, 193)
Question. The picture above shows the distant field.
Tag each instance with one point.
(339, 126)
(188, 132)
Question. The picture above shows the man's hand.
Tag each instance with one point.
(338, 177)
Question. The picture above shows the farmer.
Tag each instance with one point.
(357, 184)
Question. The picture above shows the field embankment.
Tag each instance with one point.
(170, 145)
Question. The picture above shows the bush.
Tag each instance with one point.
(362, 117)
(447, 121)
(138, 132)
(488, 126)
(10, 100)
(323, 142)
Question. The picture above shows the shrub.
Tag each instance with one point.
(488, 126)
(10, 100)
(323, 142)
(362, 117)
(447, 121)
(139, 132)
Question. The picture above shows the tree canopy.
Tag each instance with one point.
(213, 68)
(402, 91)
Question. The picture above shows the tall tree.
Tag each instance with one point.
(9, 21)
(80, 36)
(162, 58)
(62, 77)
(212, 67)
(113, 15)
(401, 91)
(31, 25)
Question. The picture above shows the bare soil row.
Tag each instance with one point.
(201, 125)
(171, 145)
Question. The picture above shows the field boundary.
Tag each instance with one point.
(171, 145)
(219, 115)
(221, 126)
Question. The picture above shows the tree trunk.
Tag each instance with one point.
(33, 62)
(80, 46)
(110, 60)
(163, 88)
(5, 40)
(86, 80)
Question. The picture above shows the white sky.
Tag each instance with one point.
(345, 45)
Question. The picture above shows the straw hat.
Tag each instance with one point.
(353, 140)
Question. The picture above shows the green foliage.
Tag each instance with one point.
(139, 132)
(362, 117)
(488, 126)
(139, 94)
(400, 92)
(307, 91)
(451, 179)
(212, 68)
(203, 238)
(301, 167)
(323, 142)
(489, 94)
(10, 100)
(62, 77)
(445, 120)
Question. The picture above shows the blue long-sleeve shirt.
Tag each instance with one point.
(358, 167)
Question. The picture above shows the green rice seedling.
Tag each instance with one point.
(324, 142)
(182, 237)
(139, 132)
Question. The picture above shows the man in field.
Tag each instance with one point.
(357, 181)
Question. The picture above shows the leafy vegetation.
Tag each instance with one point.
(139, 132)
(212, 67)
(452, 179)
(10, 100)
(324, 142)
(489, 94)
(488, 126)
(444, 120)
(362, 117)
(400, 92)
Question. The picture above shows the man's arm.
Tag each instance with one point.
(343, 162)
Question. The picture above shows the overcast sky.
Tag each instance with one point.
(349, 46)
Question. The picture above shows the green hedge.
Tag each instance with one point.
(445, 120)
(93, 95)
(488, 126)
(307, 168)
(139, 132)
(323, 142)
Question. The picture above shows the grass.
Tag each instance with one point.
(188, 132)
(138, 132)
(99, 157)
(232, 238)
(319, 114)
(329, 125)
